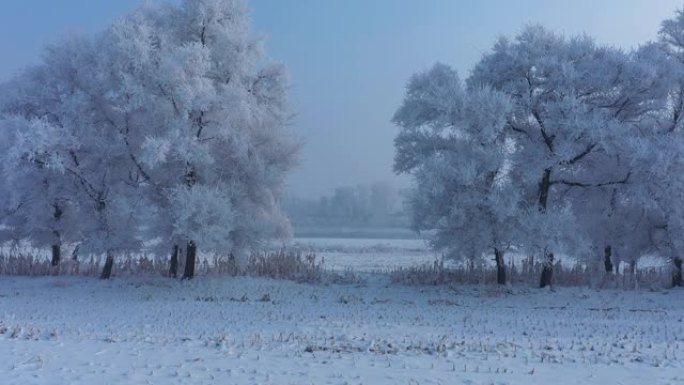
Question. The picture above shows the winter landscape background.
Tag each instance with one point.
(386, 192)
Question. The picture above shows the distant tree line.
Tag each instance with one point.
(368, 205)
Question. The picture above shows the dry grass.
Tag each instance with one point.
(277, 265)
(286, 265)
(578, 275)
(299, 267)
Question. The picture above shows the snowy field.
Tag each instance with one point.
(367, 255)
(73, 330)
(373, 255)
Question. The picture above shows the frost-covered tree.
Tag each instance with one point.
(572, 102)
(568, 142)
(208, 124)
(171, 127)
(662, 169)
(37, 202)
(64, 154)
(455, 145)
(614, 216)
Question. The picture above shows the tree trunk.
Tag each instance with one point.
(677, 280)
(56, 254)
(74, 254)
(547, 271)
(190, 257)
(107, 270)
(544, 187)
(56, 247)
(173, 269)
(500, 267)
(607, 263)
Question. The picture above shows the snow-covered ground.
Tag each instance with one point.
(72, 330)
(367, 254)
(373, 255)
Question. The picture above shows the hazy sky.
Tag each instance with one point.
(349, 60)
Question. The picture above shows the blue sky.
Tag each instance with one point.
(349, 60)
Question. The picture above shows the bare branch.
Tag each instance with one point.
(565, 182)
